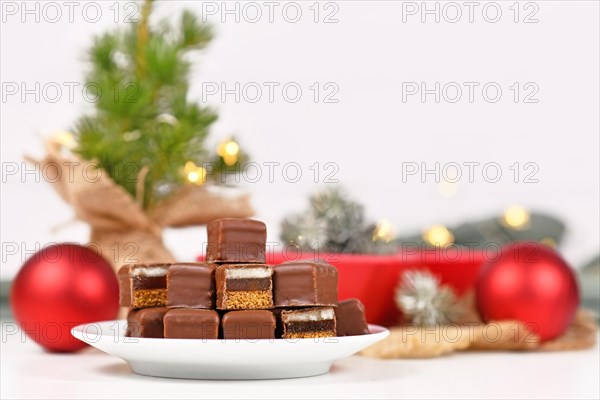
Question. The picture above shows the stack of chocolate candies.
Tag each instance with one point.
(235, 295)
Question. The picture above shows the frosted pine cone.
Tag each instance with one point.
(424, 301)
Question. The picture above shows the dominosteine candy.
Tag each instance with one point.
(236, 240)
(315, 322)
(350, 318)
(248, 324)
(191, 285)
(143, 286)
(190, 323)
(244, 286)
(146, 322)
(305, 283)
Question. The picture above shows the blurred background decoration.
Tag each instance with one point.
(516, 223)
(373, 260)
(527, 296)
(336, 223)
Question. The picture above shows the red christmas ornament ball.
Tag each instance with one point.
(531, 283)
(59, 287)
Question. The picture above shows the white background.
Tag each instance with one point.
(368, 53)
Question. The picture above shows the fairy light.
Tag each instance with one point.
(384, 231)
(516, 217)
(194, 174)
(189, 167)
(438, 235)
(229, 151)
(550, 242)
(232, 148)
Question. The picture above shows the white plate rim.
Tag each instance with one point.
(79, 331)
(219, 358)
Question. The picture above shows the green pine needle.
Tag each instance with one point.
(142, 117)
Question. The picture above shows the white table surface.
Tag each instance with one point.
(29, 372)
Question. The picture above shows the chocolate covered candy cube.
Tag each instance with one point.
(244, 286)
(236, 240)
(350, 318)
(191, 285)
(190, 323)
(143, 285)
(315, 322)
(248, 324)
(146, 322)
(305, 283)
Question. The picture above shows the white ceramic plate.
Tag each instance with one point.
(223, 359)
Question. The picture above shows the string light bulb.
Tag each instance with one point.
(189, 167)
(229, 150)
(194, 174)
(384, 231)
(550, 242)
(516, 217)
(438, 235)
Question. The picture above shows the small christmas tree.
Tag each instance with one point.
(146, 139)
(144, 130)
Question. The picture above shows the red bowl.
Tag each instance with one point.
(373, 278)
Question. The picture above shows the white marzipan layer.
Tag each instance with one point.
(312, 315)
(149, 271)
(248, 273)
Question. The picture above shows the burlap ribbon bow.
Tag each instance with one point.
(121, 229)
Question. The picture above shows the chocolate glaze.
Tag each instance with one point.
(248, 324)
(189, 323)
(132, 326)
(236, 240)
(191, 285)
(146, 322)
(305, 283)
(350, 318)
(124, 286)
